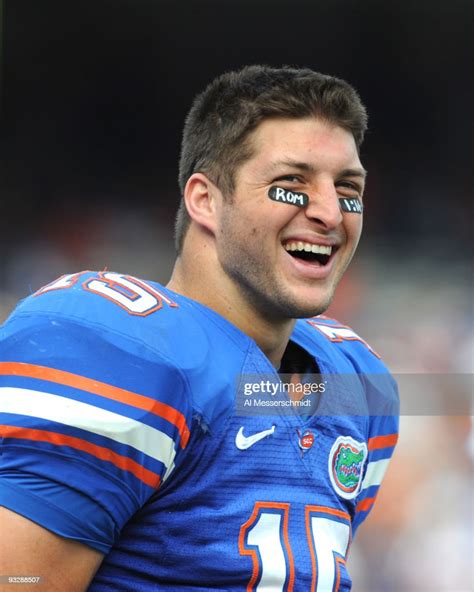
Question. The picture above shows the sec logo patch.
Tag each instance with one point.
(306, 440)
(346, 464)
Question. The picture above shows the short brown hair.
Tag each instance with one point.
(235, 103)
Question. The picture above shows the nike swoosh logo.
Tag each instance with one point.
(243, 442)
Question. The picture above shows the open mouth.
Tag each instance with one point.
(317, 254)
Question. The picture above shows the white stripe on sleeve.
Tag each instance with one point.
(375, 473)
(94, 419)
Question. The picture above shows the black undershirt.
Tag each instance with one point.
(297, 360)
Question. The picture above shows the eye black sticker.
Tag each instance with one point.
(352, 205)
(288, 197)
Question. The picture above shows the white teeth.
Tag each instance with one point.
(310, 248)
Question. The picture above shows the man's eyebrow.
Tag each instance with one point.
(309, 168)
(359, 172)
(293, 164)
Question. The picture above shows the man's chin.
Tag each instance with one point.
(308, 312)
(292, 304)
(304, 309)
(311, 305)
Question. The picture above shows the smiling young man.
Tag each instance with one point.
(130, 457)
(261, 262)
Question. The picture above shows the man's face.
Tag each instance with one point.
(259, 241)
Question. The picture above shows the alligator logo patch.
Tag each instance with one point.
(346, 465)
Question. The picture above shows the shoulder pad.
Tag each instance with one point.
(322, 330)
(345, 352)
(127, 311)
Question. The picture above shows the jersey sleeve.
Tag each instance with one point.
(383, 408)
(92, 424)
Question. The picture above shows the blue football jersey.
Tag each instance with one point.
(134, 421)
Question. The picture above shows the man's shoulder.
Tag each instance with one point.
(128, 333)
(339, 350)
(335, 339)
(133, 314)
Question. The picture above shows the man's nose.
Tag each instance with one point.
(323, 206)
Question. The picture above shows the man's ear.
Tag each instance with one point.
(200, 196)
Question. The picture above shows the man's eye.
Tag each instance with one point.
(350, 186)
(290, 178)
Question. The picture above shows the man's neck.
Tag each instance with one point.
(222, 296)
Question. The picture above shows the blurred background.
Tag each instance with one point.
(93, 97)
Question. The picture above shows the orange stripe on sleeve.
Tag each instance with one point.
(122, 462)
(365, 504)
(333, 511)
(382, 441)
(104, 390)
